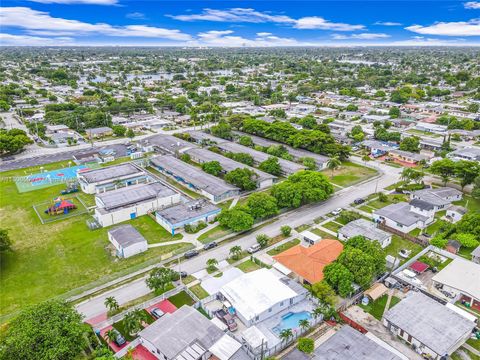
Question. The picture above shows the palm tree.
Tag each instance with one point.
(366, 158)
(110, 335)
(211, 264)
(111, 303)
(286, 334)
(235, 251)
(304, 324)
(317, 312)
(132, 323)
(334, 163)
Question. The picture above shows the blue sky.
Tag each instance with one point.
(239, 23)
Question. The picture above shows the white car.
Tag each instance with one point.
(337, 211)
(254, 248)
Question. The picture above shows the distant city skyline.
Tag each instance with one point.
(239, 23)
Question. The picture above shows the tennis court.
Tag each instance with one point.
(49, 178)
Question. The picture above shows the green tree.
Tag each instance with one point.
(244, 178)
(110, 335)
(132, 321)
(439, 241)
(111, 303)
(212, 167)
(467, 240)
(394, 112)
(304, 324)
(476, 188)
(262, 205)
(467, 171)
(309, 163)
(51, 330)
(333, 163)
(222, 130)
(235, 252)
(4, 106)
(244, 158)
(285, 335)
(360, 264)
(119, 130)
(185, 157)
(245, 141)
(271, 166)
(339, 277)
(411, 143)
(159, 278)
(306, 345)
(212, 265)
(323, 292)
(130, 134)
(236, 219)
(444, 168)
(262, 240)
(5, 240)
(286, 230)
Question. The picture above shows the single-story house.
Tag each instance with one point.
(455, 213)
(307, 263)
(95, 133)
(189, 213)
(133, 201)
(431, 328)
(461, 278)
(309, 237)
(186, 335)
(407, 156)
(260, 294)
(378, 148)
(365, 228)
(468, 153)
(405, 217)
(439, 198)
(476, 255)
(127, 240)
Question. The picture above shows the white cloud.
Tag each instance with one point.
(461, 28)
(83, 2)
(41, 23)
(26, 40)
(136, 16)
(472, 5)
(319, 23)
(362, 36)
(423, 41)
(224, 38)
(388, 23)
(247, 15)
(263, 33)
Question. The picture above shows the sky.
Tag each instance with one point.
(239, 23)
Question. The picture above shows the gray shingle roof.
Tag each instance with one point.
(430, 322)
(365, 228)
(437, 196)
(400, 213)
(126, 235)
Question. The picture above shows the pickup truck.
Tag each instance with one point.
(227, 319)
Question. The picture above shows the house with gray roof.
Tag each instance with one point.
(187, 335)
(468, 153)
(430, 327)
(438, 198)
(365, 228)
(404, 217)
(127, 241)
(212, 187)
(133, 201)
(165, 144)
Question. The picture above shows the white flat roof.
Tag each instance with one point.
(253, 293)
(225, 347)
(462, 275)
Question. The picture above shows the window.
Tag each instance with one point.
(281, 304)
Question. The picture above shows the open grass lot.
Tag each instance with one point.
(199, 291)
(399, 243)
(52, 259)
(349, 173)
(377, 307)
(214, 234)
(180, 299)
(323, 234)
(281, 248)
(248, 266)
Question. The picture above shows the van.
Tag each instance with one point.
(254, 248)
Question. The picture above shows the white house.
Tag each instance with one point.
(439, 198)
(367, 229)
(405, 217)
(127, 241)
(455, 213)
(310, 237)
(133, 201)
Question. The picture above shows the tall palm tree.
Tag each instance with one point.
(111, 303)
(317, 312)
(211, 264)
(132, 323)
(333, 164)
(304, 324)
(110, 335)
(286, 334)
(235, 251)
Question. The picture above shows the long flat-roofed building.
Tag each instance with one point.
(111, 177)
(297, 154)
(166, 144)
(200, 155)
(211, 187)
(191, 213)
(133, 201)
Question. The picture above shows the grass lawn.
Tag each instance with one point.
(367, 209)
(377, 307)
(213, 234)
(52, 259)
(248, 266)
(465, 252)
(152, 231)
(187, 280)
(332, 226)
(469, 202)
(432, 229)
(289, 244)
(182, 298)
(475, 343)
(242, 255)
(415, 232)
(399, 243)
(391, 199)
(199, 291)
(322, 234)
(349, 173)
(120, 326)
(302, 227)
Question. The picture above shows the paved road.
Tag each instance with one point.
(307, 214)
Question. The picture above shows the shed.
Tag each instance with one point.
(376, 291)
(419, 267)
(127, 241)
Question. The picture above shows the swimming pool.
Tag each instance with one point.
(291, 320)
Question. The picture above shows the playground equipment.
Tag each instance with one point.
(60, 206)
(71, 188)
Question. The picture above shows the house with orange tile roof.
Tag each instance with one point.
(307, 263)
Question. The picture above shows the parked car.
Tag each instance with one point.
(359, 201)
(228, 319)
(254, 248)
(337, 211)
(191, 253)
(157, 313)
(183, 274)
(119, 339)
(210, 245)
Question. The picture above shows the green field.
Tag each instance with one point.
(398, 244)
(180, 299)
(214, 234)
(281, 248)
(377, 307)
(349, 173)
(248, 266)
(52, 259)
(199, 291)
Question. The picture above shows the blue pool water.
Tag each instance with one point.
(290, 321)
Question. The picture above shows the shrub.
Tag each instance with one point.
(382, 197)
(305, 345)
(262, 240)
(286, 230)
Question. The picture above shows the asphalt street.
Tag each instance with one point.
(306, 214)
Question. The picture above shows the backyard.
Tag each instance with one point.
(377, 307)
(281, 248)
(398, 244)
(349, 173)
(52, 259)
